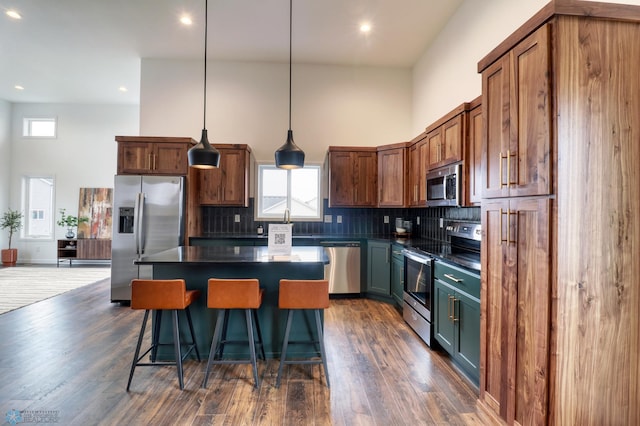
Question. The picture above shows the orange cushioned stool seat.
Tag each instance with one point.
(159, 296)
(225, 295)
(303, 294)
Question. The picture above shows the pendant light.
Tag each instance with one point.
(203, 155)
(289, 156)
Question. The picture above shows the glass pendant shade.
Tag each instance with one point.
(203, 155)
(289, 156)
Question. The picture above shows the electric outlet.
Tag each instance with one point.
(327, 218)
(386, 219)
(441, 223)
(236, 218)
(418, 220)
(339, 219)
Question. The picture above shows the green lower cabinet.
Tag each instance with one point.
(379, 268)
(457, 316)
(397, 274)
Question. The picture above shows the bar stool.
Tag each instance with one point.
(225, 295)
(303, 294)
(163, 295)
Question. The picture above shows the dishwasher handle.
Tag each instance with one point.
(340, 243)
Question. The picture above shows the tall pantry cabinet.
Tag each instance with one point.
(560, 330)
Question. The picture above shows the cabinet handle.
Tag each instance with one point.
(454, 319)
(502, 240)
(154, 161)
(509, 155)
(500, 158)
(449, 307)
(148, 167)
(454, 279)
(515, 215)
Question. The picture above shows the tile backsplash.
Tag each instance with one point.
(355, 221)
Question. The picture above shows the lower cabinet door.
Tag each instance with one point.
(467, 347)
(444, 327)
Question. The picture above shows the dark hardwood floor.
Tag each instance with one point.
(71, 354)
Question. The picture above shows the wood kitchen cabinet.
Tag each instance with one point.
(516, 300)
(445, 140)
(392, 175)
(561, 239)
(353, 173)
(473, 155)
(516, 92)
(227, 185)
(418, 153)
(151, 155)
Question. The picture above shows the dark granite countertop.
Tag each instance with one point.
(237, 254)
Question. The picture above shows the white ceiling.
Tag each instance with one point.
(82, 51)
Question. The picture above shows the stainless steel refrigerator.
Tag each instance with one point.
(148, 217)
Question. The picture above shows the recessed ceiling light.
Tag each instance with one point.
(18, 87)
(13, 14)
(186, 20)
(123, 89)
(365, 27)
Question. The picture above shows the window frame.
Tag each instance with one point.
(27, 127)
(27, 208)
(278, 218)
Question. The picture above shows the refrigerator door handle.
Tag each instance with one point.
(139, 224)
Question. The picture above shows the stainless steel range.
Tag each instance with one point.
(462, 248)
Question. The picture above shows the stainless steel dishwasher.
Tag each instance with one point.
(343, 270)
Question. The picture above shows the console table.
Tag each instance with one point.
(83, 249)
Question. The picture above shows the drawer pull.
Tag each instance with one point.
(454, 279)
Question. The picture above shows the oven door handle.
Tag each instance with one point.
(425, 260)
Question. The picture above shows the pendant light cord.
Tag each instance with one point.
(206, 24)
(290, 33)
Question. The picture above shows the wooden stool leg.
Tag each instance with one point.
(193, 335)
(176, 347)
(135, 356)
(321, 340)
(252, 344)
(285, 343)
(214, 345)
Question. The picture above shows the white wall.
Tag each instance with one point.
(82, 156)
(5, 164)
(446, 74)
(249, 103)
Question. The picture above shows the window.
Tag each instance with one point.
(37, 201)
(39, 127)
(297, 190)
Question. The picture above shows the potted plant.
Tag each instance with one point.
(70, 222)
(11, 220)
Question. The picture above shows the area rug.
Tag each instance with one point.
(24, 285)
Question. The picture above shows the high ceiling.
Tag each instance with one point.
(83, 51)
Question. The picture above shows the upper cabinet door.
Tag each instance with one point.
(153, 155)
(353, 177)
(517, 115)
(227, 185)
(392, 177)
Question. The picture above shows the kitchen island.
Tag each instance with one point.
(197, 264)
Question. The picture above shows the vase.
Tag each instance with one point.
(70, 234)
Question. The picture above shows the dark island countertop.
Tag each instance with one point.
(233, 254)
(197, 264)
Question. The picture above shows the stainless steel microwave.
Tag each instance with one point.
(444, 186)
